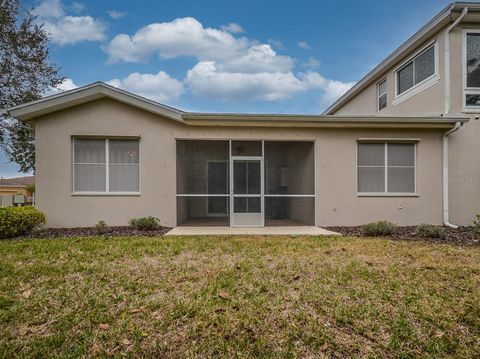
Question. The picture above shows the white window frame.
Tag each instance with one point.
(422, 85)
(385, 166)
(107, 191)
(379, 95)
(468, 90)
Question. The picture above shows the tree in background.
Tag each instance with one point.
(25, 75)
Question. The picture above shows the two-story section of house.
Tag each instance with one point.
(434, 73)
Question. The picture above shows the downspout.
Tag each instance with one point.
(447, 90)
(446, 221)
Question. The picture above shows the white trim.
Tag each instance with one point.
(422, 85)
(262, 203)
(379, 95)
(230, 183)
(467, 90)
(290, 195)
(106, 140)
(105, 193)
(374, 194)
(107, 165)
(261, 214)
(387, 139)
(201, 195)
(385, 167)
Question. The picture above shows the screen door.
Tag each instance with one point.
(247, 182)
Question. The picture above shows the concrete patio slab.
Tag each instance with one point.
(264, 231)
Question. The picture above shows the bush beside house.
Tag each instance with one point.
(15, 221)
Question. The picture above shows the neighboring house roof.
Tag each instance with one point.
(443, 18)
(17, 182)
(30, 111)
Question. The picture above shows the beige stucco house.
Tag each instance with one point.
(401, 145)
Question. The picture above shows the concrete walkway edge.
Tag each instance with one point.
(264, 231)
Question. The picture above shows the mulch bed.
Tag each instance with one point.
(121, 231)
(460, 236)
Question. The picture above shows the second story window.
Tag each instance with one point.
(472, 69)
(417, 70)
(382, 94)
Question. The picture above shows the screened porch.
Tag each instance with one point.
(245, 183)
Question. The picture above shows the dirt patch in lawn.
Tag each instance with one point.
(460, 236)
(120, 231)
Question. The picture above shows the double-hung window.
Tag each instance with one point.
(106, 165)
(417, 70)
(382, 94)
(472, 69)
(386, 168)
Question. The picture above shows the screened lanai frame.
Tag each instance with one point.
(298, 204)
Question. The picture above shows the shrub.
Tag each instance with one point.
(476, 223)
(15, 221)
(144, 223)
(101, 227)
(429, 231)
(380, 228)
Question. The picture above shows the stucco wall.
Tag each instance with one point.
(464, 145)
(335, 172)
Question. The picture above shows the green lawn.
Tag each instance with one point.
(238, 297)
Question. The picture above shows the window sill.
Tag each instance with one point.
(94, 194)
(471, 110)
(425, 84)
(387, 195)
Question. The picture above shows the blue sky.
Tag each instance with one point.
(230, 56)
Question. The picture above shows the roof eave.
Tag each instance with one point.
(305, 121)
(30, 111)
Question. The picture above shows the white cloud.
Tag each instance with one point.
(276, 44)
(333, 90)
(311, 63)
(65, 29)
(206, 81)
(304, 45)
(159, 87)
(49, 9)
(116, 14)
(258, 58)
(78, 7)
(181, 37)
(233, 28)
(228, 67)
(67, 84)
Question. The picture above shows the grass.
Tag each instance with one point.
(238, 297)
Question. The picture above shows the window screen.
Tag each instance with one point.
(473, 60)
(472, 95)
(91, 165)
(382, 95)
(416, 70)
(124, 166)
(386, 168)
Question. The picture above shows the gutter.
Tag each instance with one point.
(447, 58)
(446, 221)
(447, 92)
